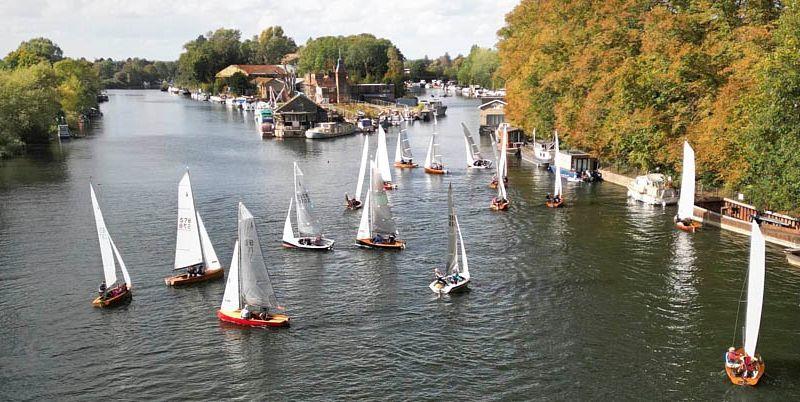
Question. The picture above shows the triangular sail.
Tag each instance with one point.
(464, 262)
(398, 149)
(452, 250)
(473, 152)
(382, 156)
(254, 284)
(494, 147)
(109, 269)
(437, 157)
(188, 250)
(209, 255)
(557, 190)
(122, 266)
(231, 300)
(504, 153)
(755, 289)
(381, 221)
(288, 233)
(403, 151)
(307, 222)
(362, 170)
(686, 200)
(429, 155)
(363, 227)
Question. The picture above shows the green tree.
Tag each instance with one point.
(271, 45)
(33, 52)
(28, 106)
(479, 67)
(78, 87)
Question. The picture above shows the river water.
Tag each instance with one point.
(601, 299)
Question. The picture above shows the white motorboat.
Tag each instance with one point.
(330, 129)
(653, 189)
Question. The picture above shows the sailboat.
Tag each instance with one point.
(377, 229)
(433, 160)
(248, 292)
(402, 153)
(558, 195)
(755, 298)
(113, 293)
(308, 226)
(355, 202)
(382, 159)
(683, 220)
(194, 252)
(502, 164)
(500, 202)
(474, 158)
(457, 270)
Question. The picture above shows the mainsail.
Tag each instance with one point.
(231, 300)
(363, 227)
(429, 155)
(188, 250)
(362, 170)
(473, 152)
(109, 269)
(381, 214)
(452, 250)
(557, 188)
(382, 156)
(307, 223)
(502, 170)
(403, 150)
(686, 200)
(755, 289)
(255, 287)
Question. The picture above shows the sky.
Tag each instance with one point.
(157, 29)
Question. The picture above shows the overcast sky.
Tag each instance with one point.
(157, 29)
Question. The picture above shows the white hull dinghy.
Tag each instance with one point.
(308, 226)
(457, 275)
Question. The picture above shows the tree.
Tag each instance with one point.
(33, 52)
(365, 56)
(479, 67)
(78, 87)
(394, 70)
(205, 56)
(271, 45)
(28, 106)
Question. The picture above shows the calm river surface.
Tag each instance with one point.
(602, 299)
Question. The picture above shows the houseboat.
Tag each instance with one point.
(365, 125)
(492, 114)
(653, 189)
(330, 129)
(516, 138)
(576, 165)
(793, 256)
(435, 106)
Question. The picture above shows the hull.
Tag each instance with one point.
(185, 279)
(499, 206)
(688, 228)
(486, 166)
(389, 185)
(435, 171)
(113, 301)
(737, 380)
(327, 244)
(793, 256)
(234, 317)
(439, 288)
(397, 245)
(553, 204)
(316, 135)
(405, 165)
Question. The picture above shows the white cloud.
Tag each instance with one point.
(157, 29)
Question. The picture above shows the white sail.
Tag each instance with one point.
(429, 156)
(452, 236)
(109, 269)
(382, 156)
(398, 149)
(403, 150)
(473, 152)
(122, 266)
(307, 222)
(464, 262)
(557, 190)
(209, 255)
(188, 250)
(288, 233)
(686, 200)
(363, 169)
(436, 157)
(231, 299)
(255, 286)
(363, 227)
(501, 189)
(503, 171)
(755, 289)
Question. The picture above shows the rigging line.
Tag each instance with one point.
(738, 307)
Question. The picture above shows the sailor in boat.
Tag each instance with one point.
(439, 277)
(403, 161)
(749, 366)
(436, 166)
(245, 314)
(102, 290)
(352, 203)
(499, 201)
(732, 359)
(456, 276)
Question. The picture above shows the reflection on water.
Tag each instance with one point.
(602, 298)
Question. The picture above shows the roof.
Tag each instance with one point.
(252, 69)
(299, 104)
(487, 104)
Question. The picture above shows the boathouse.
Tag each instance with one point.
(299, 114)
(492, 113)
(573, 162)
(331, 87)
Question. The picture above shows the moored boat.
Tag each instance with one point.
(684, 220)
(543, 151)
(111, 293)
(456, 276)
(743, 365)
(249, 295)
(793, 256)
(330, 129)
(376, 228)
(474, 158)
(308, 226)
(402, 154)
(653, 189)
(194, 252)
